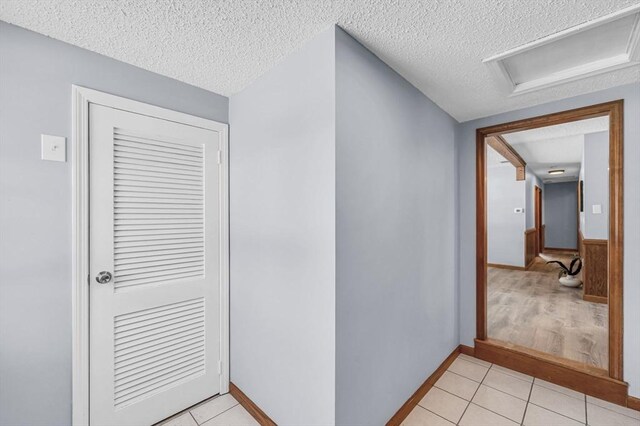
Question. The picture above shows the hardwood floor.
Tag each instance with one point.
(531, 309)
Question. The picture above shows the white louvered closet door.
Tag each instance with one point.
(155, 227)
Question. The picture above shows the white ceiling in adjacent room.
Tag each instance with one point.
(555, 147)
(223, 46)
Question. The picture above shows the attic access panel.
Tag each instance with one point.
(598, 46)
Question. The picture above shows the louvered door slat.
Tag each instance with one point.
(149, 199)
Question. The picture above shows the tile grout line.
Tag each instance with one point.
(460, 375)
(557, 391)
(188, 410)
(469, 402)
(435, 414)
(527, 404)
(609, 409)
(475, 360)
(501, 391)
(569, 396)
(474, 394)
(555, 412)
(451, 393)
(222, 412)
(586, 412)
(515, 376)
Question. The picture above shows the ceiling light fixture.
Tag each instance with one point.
(556, 172)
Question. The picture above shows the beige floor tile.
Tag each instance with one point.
(500, 402)
(182, 420)
(509, 384)
(422, 417)
(538, 416)
(212, 408)
(599, 416)
(457, 385)
(613, 407)
(444, 404)
(561, 389)
(236, 416)
(558, 402)
(468, 369)
(478, 416)
(475, 360)
(513, 373)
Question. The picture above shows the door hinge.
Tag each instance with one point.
(219, 367)
(219, 157)
(88, 279)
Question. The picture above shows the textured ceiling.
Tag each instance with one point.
(555, 147)
(223, 46)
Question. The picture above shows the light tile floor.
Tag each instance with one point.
(473, 392)
(222, 410)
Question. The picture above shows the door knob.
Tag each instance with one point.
(104, 277)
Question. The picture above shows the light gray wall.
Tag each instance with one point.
(282, 205)
(395, 297)
(465, 140)
(560, 204)
(531, 182)
(505, 228)
(596, 185)
(36, 74)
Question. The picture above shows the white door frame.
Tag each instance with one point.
(81, 98)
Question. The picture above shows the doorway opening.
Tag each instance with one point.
(563, 326)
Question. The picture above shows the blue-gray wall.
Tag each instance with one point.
(282, 185)
(36, 74)
(595, 173)
(505, 227)
(466, 139)
(560, 204)
(396, 305)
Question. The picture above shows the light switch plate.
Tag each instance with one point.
(597, 209)
(54, 148)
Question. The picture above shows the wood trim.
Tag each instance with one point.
(633, 403)
(595, 299)
(616, 233)
(481, 236)
(538, 219)
(467, 350)
(560, 250)
(580, 377)
(250, 406)
(594, 242)
(530, 247)
(501, 266)
(502, 147)
(614, 110)
(580, 243)
(595, 270)
(412, 402)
